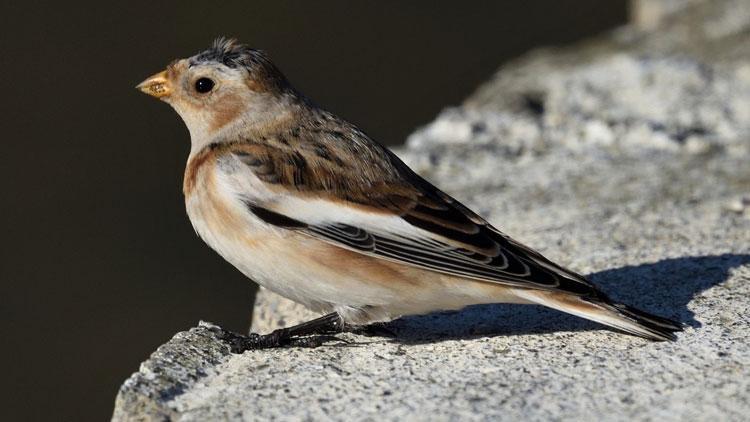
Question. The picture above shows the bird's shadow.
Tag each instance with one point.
(664, 288)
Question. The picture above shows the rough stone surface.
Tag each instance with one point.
(626, 158)
(272, 311)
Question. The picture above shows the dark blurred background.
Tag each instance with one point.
(99, 264)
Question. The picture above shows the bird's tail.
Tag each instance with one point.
(600, 309)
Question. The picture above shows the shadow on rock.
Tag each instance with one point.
(664, 288)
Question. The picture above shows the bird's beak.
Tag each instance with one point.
(157, 85)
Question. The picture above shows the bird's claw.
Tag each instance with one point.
(239, 343)
(316, 341)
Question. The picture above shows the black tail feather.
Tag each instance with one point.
(659, 328)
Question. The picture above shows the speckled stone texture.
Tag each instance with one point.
(626, 158)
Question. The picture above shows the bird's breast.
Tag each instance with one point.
(219, 215)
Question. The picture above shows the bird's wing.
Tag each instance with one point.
(374, 204)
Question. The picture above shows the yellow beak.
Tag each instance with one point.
(156, 85)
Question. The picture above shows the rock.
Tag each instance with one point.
(173, 369)
(625, 158)
(272, 311)
(649, 14)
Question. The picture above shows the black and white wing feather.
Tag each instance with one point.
(392, 214)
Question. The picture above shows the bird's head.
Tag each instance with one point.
(228, 87)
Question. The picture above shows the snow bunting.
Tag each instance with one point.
(308, 206)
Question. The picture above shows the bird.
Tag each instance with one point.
(308, 206)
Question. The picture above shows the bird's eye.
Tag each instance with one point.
(204, 85)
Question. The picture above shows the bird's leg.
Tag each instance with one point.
(326, 325)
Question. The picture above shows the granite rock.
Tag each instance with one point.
(626, 158)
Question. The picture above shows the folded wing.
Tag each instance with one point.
(394, 215)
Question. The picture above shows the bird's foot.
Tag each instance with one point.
(316, 341)
(308, 334)
(239, 343)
